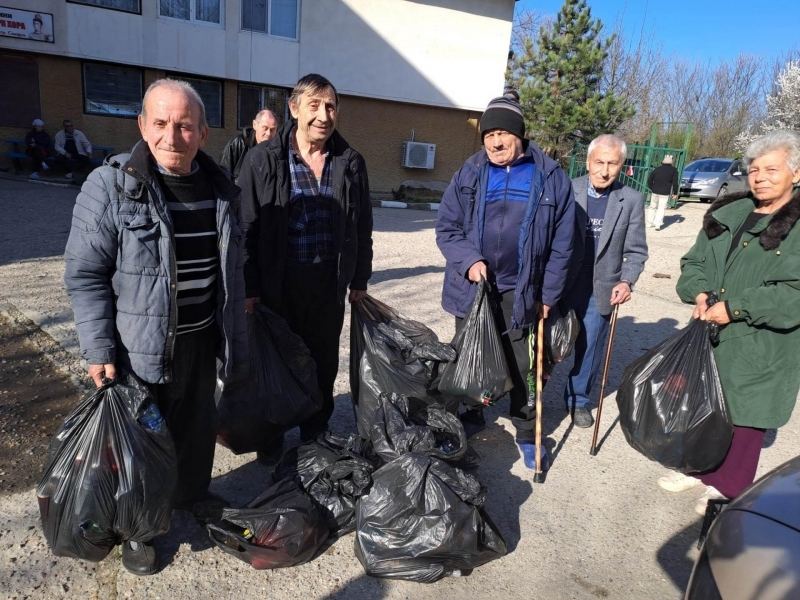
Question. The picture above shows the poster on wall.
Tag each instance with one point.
(26, 24)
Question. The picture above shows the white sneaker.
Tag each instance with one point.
(677, 482)
(45, 167)
(711, 493)
(34, 175)
(68, 175)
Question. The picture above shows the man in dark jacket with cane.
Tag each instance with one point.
(508, 217)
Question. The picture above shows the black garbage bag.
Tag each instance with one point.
(335, 472)
(390, 353)
(479, 376)
(111, 473)
(561, 330)
(423, 520)
(280, 528)
(280, 392)
(671, 404)
(402, 425)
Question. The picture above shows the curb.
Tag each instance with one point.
(411, 205)
(70, 186)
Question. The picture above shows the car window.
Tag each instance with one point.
(708, 166)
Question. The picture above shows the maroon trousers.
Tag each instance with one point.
(738, 470)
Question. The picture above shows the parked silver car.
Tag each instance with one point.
(710, 178)
(752, 551)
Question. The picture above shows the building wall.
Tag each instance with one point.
(376, 128)
(449, 53)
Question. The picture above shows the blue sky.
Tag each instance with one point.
(706, 30)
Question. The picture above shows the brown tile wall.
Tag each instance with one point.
(376, 128)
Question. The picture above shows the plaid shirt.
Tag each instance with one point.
(310, 212)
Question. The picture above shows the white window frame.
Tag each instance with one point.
(192, 20)
(269, 23)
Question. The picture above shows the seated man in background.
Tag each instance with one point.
(72, 148)
(38, 146)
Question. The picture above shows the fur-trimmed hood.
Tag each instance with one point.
(777, 230)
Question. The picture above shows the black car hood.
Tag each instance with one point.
(775, 496)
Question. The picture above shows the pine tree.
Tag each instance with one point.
(560, 81)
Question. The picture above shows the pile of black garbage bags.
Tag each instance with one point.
(401, 482)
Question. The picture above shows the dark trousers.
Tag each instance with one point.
(37, 155)
(738, 470)
(313, 310)
(78, 161)
(517, 352)
(188, 406)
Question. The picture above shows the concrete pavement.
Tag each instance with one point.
(597, 528)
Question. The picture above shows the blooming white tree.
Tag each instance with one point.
(783, 106)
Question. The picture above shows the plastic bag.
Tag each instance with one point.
(480, 374)
(671, 404)
(561, 330)
(390, 353)
(280, 392)
(334, 472)
(280, 528)
(402, 425)
(111, 473)
(423, 520)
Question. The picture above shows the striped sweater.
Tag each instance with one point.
(193, 208)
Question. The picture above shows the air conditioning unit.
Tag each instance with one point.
(417, 155)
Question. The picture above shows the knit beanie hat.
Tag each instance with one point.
(504, 112)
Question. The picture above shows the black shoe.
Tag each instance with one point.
(270, 455)
(139, 558)
(473, 421)
(582, 417)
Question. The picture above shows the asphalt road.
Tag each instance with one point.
(597, 528)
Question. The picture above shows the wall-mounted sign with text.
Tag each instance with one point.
(26, 24)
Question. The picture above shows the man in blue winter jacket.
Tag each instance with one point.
(508, 216)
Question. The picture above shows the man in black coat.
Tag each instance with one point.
(308, 232)
(38, 146)
(663, 182)
(264, 128)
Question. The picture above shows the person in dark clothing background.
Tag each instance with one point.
(663, 182)
(264, 128)
(38, 146)
(308, 233)
(508, 217)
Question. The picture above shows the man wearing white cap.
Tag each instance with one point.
(38, 146)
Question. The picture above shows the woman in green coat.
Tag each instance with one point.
(748, 252)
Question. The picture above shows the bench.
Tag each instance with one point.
(17, 154)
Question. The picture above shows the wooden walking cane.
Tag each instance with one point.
(593, 450)
(538, 476)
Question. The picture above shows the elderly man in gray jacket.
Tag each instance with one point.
(154, 270)
(610, 252)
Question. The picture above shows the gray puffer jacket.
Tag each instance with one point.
(121, 272)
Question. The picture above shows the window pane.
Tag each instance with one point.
(112, 90)
(19, 103)
(207, 10)
(284, 18)
(276, 100)
(177, 9)
(249, 105)
(127, 5)
(211, 94)
(254, 15)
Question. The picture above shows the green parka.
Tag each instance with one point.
(758, 355)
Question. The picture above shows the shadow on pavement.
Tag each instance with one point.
(395, 220)
(403, 273)
(673, 556)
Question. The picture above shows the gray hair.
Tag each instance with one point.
(262, 114)
(608, 141)
(314, 84)
(176, 85)
(781, 139)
